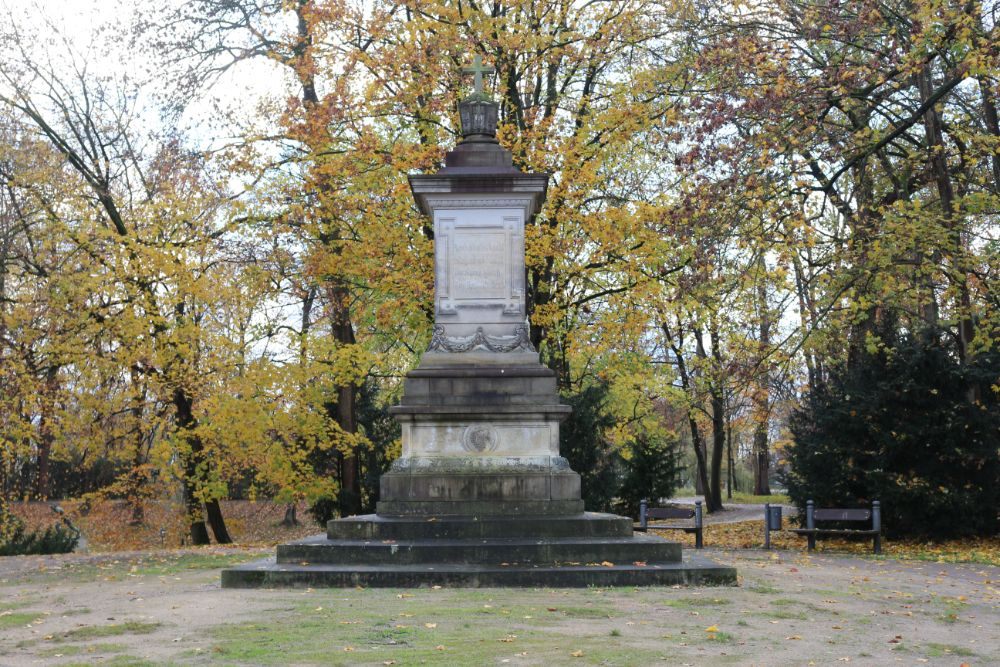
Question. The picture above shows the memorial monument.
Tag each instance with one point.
(480, 495)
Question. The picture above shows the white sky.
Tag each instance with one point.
(97, 32)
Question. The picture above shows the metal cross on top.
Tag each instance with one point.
(478, 69)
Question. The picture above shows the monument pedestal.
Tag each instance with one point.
(480, 436)
(480, 495)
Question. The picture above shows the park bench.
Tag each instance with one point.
(646, 513)
(873, 517)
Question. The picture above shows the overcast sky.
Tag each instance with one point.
(97, 32)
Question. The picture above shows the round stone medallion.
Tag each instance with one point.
(479, 438)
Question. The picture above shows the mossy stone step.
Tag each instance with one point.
(692, 570)
(420, 527)
(492, 551)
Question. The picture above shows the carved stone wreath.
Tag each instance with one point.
(519, 342)
(480, 438)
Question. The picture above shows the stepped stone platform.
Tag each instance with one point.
(585, 549)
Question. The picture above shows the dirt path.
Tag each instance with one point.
(167, 608)
(735, 512)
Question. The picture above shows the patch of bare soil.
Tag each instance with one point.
(790, 608)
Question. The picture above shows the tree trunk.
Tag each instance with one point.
(133, 491)
(304, 66)
(194, 460)
(46, 431)
(761, 461)
(730, 473)
(347, 395)
(701, 486)
(761, 455)
(805, 319)
(195, 512)
(350, 489)
(713, 499)
(714, 503)
(938, 163)
(992, 120)
(701, 479)
(218, 524)
(864, 325)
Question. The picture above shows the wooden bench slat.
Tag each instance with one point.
(672, 514)
(833, 514)
(668, 513)
(842, 515)
(832, 531)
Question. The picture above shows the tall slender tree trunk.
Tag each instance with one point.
(347, 408)
(864, 324)
(805, 319)
(730, 471)
(713, 498)
(46, 430)
(761, 455)
(938, 163)
(701, 473)
(992, 121)
(718, 448)
(304, 66)
(701, 485)
(133, 489)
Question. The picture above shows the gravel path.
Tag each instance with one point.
(734, 512)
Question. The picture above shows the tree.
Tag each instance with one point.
(144, 221)
(900, 429)
(337, 156)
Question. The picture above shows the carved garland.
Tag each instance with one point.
(519, 342)
(445, 203)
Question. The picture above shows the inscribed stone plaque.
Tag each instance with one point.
(479, 264)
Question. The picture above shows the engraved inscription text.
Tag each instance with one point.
(478, 265)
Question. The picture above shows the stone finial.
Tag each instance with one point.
(478, 112)
(478, 68)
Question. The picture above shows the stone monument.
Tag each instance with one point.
(480, 495)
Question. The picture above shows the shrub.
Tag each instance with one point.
(902, 428)
(15, 540)
(582, 441)
(651, 472)
(323, 509)
(610, 481)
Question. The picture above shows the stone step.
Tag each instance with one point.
(495, 552)
(481, 508)
(385, 527)
(692, 570)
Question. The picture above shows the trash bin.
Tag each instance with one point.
(772, 521)
(774, 518)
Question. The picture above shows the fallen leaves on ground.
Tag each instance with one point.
(107, 524)
(750, 535)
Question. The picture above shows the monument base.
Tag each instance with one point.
(693, 570)
(583, 549)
